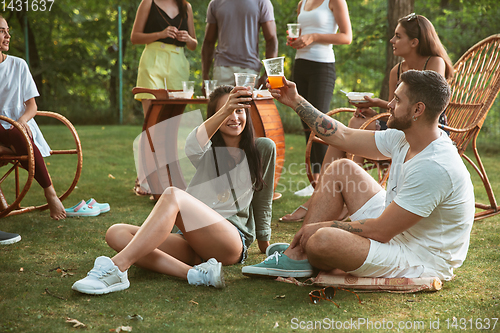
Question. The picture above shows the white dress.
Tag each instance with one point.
(16, 87)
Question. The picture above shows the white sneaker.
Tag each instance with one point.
(306, 191)
(207, 274)
(104, 278)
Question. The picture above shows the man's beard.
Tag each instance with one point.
(399, 123)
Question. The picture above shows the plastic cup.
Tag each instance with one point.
(293, 30)
(275, 71)
(210, 86)
(245, 80)
(188, 88)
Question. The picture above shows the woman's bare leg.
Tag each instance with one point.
(207, 234)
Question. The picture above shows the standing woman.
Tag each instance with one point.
(17, 102)
(165, 26)
(323, 23)
(227, 205)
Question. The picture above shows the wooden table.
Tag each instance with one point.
(265, 118)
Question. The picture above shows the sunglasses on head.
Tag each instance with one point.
(327, 294)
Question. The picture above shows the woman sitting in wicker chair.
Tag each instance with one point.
(17, 102)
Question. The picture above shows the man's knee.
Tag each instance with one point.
(321, 247)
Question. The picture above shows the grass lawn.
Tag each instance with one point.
(36, 274)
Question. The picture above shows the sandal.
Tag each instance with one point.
(290, 218)
(138, 190)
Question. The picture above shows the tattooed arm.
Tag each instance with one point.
(358, 142)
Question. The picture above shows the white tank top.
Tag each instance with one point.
(319, 20)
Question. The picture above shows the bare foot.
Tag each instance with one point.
(295, 216)
(56, 207)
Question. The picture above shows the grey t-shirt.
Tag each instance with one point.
(248, 210)
(238, 24)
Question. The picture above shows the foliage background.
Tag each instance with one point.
(73, 52)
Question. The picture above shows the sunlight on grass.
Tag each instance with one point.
(34, 297)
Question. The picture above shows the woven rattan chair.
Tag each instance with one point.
(382, 166)
(15, 185)
(475, 85)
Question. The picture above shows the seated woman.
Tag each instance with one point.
(17, 102)
(416, 41)
(225, 207)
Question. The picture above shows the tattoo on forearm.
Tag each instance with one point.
(345, 226)
(318, 121)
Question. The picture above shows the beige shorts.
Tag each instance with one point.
(225, 74)
(393, 259)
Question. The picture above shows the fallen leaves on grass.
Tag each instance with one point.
(279, 296)
(75, 322)
(122, 329)
(111, 176)
(47, 292)
(193, 302)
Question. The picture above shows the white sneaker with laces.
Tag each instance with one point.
(207, 274)
(104, 278)
(306, 191)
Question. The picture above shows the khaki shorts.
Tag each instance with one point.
(162, 63)
(394, 259)
(225, 74)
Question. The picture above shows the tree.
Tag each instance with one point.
(395, 10)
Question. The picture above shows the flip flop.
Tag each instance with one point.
(103, 207)
(82, 209)
(300, 219)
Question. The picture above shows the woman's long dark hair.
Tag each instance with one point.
(419, 27)
(247, 141)
(182, 4)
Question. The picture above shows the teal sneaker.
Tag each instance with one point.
(276, 247)
(279, 264)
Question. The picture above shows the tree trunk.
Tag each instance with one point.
(395, 10)
(34, 58)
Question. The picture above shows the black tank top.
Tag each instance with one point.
(158, 20)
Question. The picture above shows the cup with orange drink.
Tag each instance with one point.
(275, 71)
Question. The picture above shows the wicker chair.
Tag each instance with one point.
(475, 85)
(16, 185)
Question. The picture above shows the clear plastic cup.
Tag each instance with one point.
(210, 86)
(188, 88)
(293, 30)
(275, 71)
(245, 80)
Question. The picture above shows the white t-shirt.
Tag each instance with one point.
(16, 87)
(435, 185)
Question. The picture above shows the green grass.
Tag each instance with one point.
(34, 297)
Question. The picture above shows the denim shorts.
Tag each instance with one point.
(244, 249)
